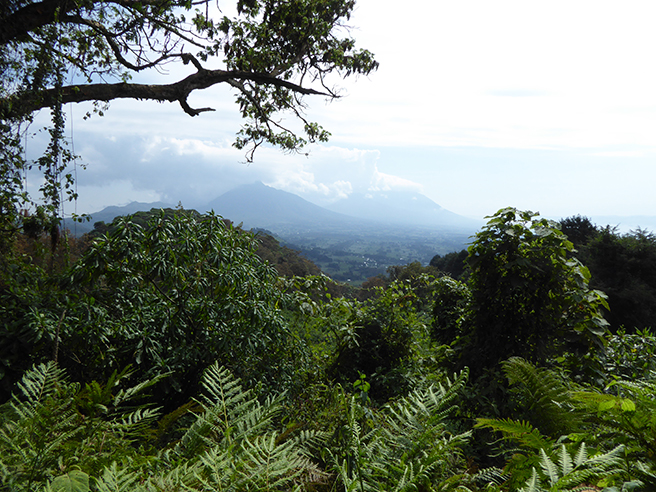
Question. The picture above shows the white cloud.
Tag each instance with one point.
(197, 171)
(582, 69)
(546, 106)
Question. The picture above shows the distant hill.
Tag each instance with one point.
(627, 223)
(401, 207)
(348, 248)
(258, 205)
(108, 214)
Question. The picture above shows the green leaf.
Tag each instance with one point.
(73, 481)
(628, 405)
(606, 405)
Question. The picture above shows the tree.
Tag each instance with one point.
(579, 230)
(173, 296)
(451, 263)
(273, 52)
(529, 298)
(624, 266)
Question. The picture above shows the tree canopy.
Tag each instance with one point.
(272, 52)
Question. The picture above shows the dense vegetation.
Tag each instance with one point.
(172, 355)
(174, 351)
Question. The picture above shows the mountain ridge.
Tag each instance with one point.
(260, 206)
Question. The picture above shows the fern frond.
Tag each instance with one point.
(546, 397)
(222, 388)
(565, 459)
(549, 467)
(490, 476)
(182, 477)
(41, 381)
(533, 485)
(127, 395)
(571, 473)
(230, 413)
(581, 455)
(407, 448)
(266, 465)
(606, 460)
(521, 431)
(135, 423)
(115, 479)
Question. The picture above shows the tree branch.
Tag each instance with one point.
(22, 104)
(31, 17)
(111, 41)
(35, 15)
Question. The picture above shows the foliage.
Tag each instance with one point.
(171, 297)
(615, 426)
(55, 426)
(55, 52)
(184, 292)
(529, 297)
(451, 311)
(573, 472)
(233, 445)
(453, 264)
(543, 396)
(51, 439)
(630, 356)
(579, 230)
(625, 415)
(624, 266)
(185, 299)
(286, 261)
(543, 412)
(377, 341)
(405, 446)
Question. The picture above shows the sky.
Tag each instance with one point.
(479, 105)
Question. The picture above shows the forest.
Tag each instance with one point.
(172, 350)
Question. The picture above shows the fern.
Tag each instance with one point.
(568, 473)
(520, 431)
(232, 444)
(115, 479)
(230, 414)
(408, 446)
(37, 426)
(546, 399)
(51, 427)
(626, 418)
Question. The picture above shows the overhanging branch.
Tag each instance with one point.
(23, 104)
(35, 15)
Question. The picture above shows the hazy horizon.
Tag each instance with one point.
(478, 106)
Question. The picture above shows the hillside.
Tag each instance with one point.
(346, 247)
(258, 205)
(401, 207)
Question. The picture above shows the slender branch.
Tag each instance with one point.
(111, 40)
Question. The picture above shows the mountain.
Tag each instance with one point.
(108, 214)
(348, 248)
(403, 208)
(626, 223)
(258, 205)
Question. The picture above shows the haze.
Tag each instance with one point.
(546, 106)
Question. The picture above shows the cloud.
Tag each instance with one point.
(195, 171)
(620, 153)
(331, 173)
(517, 92)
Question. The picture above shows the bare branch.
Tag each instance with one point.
(22, 104)
(111, 41)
